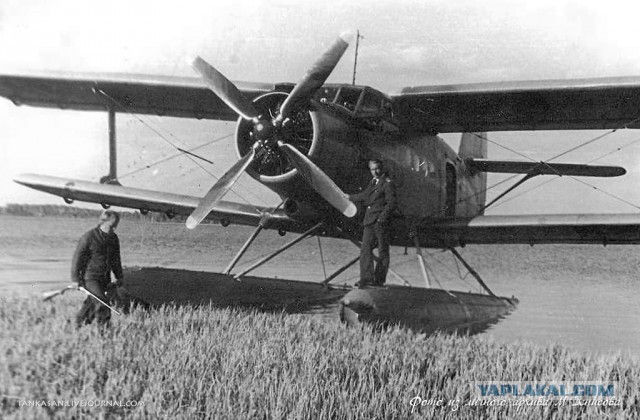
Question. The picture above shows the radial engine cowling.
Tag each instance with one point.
(273, 124)
(271, 166)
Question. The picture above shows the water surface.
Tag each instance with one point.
(586, 297)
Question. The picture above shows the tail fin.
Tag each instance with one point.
(474, 145)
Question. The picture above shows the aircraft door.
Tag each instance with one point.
(450, 191)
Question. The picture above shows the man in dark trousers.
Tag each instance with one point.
(96, 256)
(380, 200)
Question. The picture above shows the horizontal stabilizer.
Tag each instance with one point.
(543, 168)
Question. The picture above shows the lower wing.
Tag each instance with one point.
(538, 229)
(521, 229)
(156, 201)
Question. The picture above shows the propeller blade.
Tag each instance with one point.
(315, 76)
(220, 188)
(225, 89)
(319, 181)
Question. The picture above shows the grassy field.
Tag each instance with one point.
(202, 362)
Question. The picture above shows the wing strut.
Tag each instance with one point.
(112, 176)
(279, 250)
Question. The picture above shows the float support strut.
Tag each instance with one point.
(240, 253)
(471, 270)
(265, 218)
(340, 270)
(278, 251)
(423, 267)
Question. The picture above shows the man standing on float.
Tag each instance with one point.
(379, 197)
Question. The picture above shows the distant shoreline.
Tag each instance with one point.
(55, 210)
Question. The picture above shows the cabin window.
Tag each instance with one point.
(348, 98)
(415, 162)
(370, 103)
(328, 94)
(387, 109)
(428, 168)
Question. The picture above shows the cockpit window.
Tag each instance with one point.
(348, 98)
(370, 103)
(327, 94)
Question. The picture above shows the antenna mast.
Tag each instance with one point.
(355, 60)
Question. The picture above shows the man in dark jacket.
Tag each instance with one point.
(380, 200)
(96, 256)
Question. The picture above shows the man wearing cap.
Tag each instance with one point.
(96, 256)
(380, 200)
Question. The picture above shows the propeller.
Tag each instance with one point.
(225, 90)
(319, 180)
(315, 76)
(267, 130)
(219, 189)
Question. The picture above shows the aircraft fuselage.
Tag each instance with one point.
(432, 181)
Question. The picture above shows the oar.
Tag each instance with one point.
(89, 293)
(53, 293)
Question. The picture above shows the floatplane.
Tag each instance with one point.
(310, 143)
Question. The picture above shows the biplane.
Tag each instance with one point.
(310, 142)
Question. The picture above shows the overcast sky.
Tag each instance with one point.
(405, 43)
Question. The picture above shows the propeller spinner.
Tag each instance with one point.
(268, 131)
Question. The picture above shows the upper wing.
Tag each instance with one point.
(512, 106)
(539, 229)
(535, 105)
(139, 94)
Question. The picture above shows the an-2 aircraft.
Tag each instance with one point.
(310, 143)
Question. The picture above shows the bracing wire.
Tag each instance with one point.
(616, 150)
(190, 156)
(487, 188)
(606, 193)
(505, 147)
(590, 141)
(158, 162)
(593, 140)
(596, 138)
(456, 276)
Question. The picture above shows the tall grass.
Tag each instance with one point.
(204, 362)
